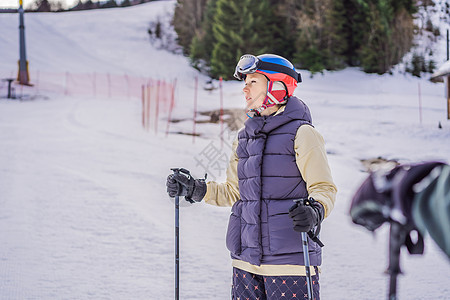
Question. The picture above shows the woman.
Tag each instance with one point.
(277, 158)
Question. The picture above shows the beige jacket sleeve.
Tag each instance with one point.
(227, 193)
(312, 162)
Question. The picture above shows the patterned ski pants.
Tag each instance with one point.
(248, 286)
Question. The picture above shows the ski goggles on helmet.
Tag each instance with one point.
(249, 64)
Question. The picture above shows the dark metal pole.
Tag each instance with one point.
(177, 229)
(448, 57)
(448, 97)
(304, 235)
(177, 249)
(396, 240)
(177, 237)
(307, 265)
(448, 78)
(9, 87)
(23, 77)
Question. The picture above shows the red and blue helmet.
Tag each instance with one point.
(274, 67)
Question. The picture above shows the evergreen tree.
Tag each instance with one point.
(388, 35)
(285, 26)
(240, 26)
(90, 5)
(187, 21)
(58, 6)
(125, 3)
(78, 6)
(373, 50)
(203, 42)
(317, 34)
(109, 4)
(321, 38)
(353, 30)
(336, 38)
(43, 6)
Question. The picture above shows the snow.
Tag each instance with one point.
(442, 70)
(29, 3)
(84, 212)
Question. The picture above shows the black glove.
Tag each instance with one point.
(181, 183)
(306, 215)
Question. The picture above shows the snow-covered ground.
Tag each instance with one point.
(83, 209)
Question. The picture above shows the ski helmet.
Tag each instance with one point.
(274, 67)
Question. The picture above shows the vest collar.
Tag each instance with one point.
(295, 109)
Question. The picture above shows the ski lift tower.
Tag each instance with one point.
(23, 77)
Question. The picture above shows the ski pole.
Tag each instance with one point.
(306, 255)
(177, 249)
(307, 265)
(396, 238)
(177, 241)
(177, 228)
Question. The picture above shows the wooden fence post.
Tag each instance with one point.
(172, 103)
(195, 109)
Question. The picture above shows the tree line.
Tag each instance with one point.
(314, 34)
(57, 6)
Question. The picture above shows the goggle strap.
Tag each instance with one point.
(263, 65)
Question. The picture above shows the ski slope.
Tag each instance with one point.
(83, 209)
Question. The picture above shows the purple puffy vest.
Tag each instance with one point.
(260, 230)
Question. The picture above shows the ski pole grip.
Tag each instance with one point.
(177, 171)
(302, 201)
(181, 170)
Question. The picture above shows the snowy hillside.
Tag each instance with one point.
(430, 42)
(83, 209)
